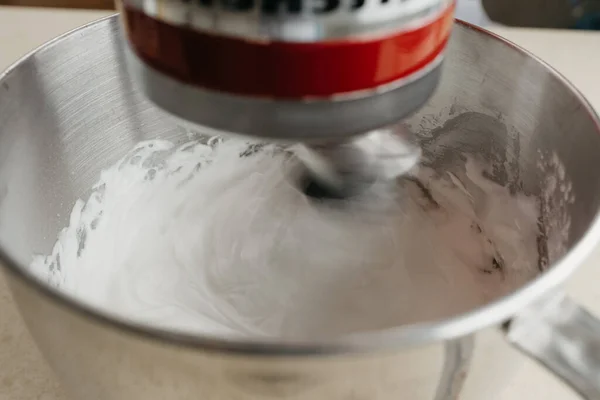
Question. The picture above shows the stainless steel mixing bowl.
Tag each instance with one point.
(69, 109)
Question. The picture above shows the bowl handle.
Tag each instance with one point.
(563, 337)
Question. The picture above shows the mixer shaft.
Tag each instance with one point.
(343, 169)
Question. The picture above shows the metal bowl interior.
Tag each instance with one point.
(69, 109)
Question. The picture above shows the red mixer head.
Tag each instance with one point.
(301, 70)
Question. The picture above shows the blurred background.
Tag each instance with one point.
(86, 4)
(565, 14)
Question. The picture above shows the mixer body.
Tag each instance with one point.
(297, 70)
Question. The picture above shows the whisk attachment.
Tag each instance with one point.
(344, 169)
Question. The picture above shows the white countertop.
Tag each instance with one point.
(23, 373)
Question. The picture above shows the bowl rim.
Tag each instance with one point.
(495, 313)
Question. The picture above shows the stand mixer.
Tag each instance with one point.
(69, 110)
(333, 76)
